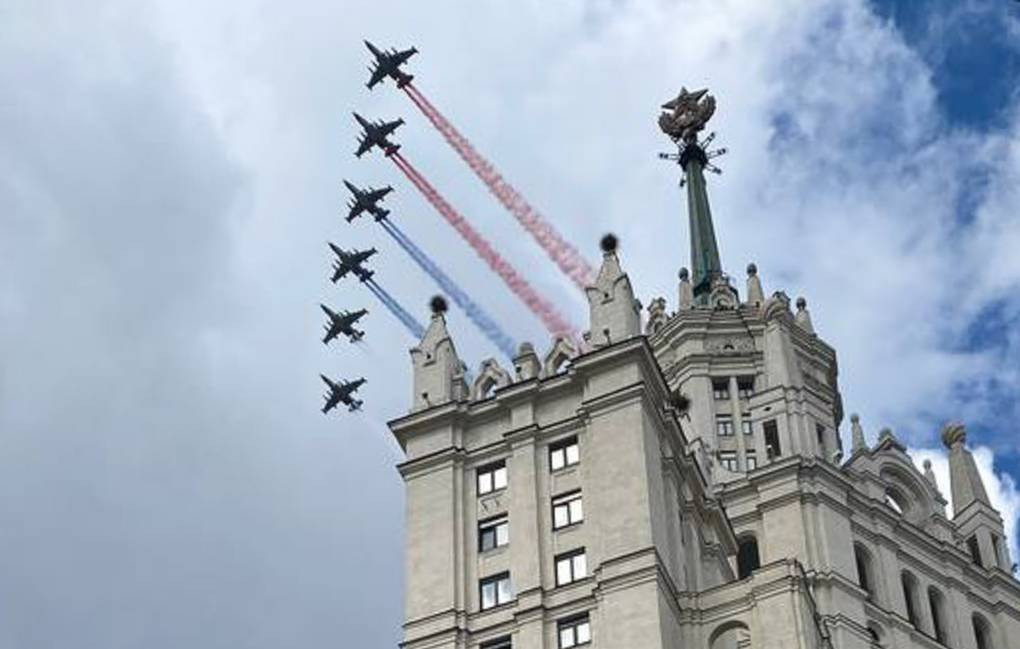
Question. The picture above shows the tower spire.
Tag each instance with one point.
(690, 111)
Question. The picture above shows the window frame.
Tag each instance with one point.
(724, 426)
(745, 387)
(492, 470)
(751, 459)
(746, 425)
(571, 558)
(493, 523)
(495, 580)
(502, 642)
(573, 623)
(729, 460)
(720, 393)
(563, 446)
(565, 500)
(770, 428)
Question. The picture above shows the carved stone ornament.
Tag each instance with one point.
(656, 315)
(729, 345)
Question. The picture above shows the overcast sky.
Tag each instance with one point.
(170, 174)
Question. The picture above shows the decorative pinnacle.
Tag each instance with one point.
(438, 304)
(609, 243)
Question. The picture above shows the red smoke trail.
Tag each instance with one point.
(559, 250)
(553, 321)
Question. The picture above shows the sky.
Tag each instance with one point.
(170, 175)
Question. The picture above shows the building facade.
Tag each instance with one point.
(680, 481)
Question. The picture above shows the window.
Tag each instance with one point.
(721, 389)
(893, 502)
(729, 460)
(745, 424)
(495, 590)
(982, 632)
(493, 533)
(492, 478)
(724, 426)
(975, 550)
(745, 387)
(574, 631)
(747, 557)
(570, 567)
(498, 643)
(935, 602)
(863, 559)
(910, 596)
(752, 461)
(820, 434)
(771, 431)
(564, 453)
(873, 633)
(996, 550)
(567, 510)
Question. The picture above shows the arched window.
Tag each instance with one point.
(910, 596)
(982, 632)
(747, 557)
(865, 570)
(895, 500)
(730, 635)
(875, 634)
(938, 618)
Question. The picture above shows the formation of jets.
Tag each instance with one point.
(367, 200)
(387, 64)
(375, 135)
(351, 262)
(341, 392)
(343, 323)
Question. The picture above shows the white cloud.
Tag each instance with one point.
(1002, 488)
(841, 184)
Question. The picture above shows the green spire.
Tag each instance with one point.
(705, 264)
(681, 121)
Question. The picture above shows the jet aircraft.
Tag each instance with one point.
(343, 323)
(375, 134)
(366, 200)
(387, 64)
(351, 262)
(340, 392)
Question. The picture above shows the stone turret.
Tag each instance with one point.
(755, 295)
(803, 317)
(976, 520)
(615, 314)
(857, 434)
(686, 298)
(439, 374)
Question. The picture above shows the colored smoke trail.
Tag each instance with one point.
(400, 312)
(569, 260)
(480, 318)
(545, 311)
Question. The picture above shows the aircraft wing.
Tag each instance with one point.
(352, 386)
(378, 74)
(334, 330)
(364, 144)
(355, 212)
(341, 271)
(377, 195)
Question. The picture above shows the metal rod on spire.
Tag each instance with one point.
(682, 119)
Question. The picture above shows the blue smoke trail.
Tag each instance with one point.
(390, 303)
(479, 317)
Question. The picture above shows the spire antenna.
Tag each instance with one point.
(682, 119)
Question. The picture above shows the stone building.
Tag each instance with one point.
(684, 484)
